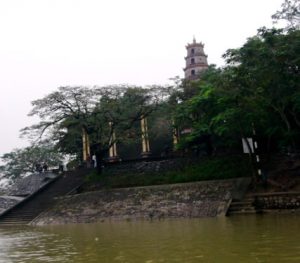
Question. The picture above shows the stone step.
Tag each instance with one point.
(241, 204)
(244, 206)
(14, 223)
(30, 209)
(17, 217)
(241, 208)
(23, 217)
(242, 212)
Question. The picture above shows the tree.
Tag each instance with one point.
(118, 110)
(268, 65)
(98, 112)
(219, 109)
(290, 12)
(22, 161)
(258, 88)
(74, 104)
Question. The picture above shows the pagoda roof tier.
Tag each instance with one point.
(193, 77)
(196, 65)
(195, 45)
(200, 54)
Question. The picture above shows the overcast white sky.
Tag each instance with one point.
(45, 44)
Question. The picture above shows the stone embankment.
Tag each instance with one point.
(189, 200)
(282, 201)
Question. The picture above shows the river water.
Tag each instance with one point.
(257, 238)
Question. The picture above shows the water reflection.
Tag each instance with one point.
(236, 239)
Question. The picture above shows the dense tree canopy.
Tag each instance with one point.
(258, 89)
(98, 111)
(20, 162)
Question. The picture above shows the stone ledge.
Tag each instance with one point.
(274, 194)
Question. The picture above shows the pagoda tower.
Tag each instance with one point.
(196, 60)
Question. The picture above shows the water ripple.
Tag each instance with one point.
(267, 238)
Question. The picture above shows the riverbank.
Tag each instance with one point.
(188, 200)
(109, 199)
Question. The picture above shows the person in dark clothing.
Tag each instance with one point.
(45, 167)
(61, 168)
(38, 168)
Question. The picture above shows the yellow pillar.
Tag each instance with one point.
(145, 138)
(85, 146)
(84, 153)
(175, 135)
(113, 155)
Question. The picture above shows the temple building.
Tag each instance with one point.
(196, 60)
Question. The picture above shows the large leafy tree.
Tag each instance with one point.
(268, 65)
(74, 104)
(71, 110)
(222, 108)
(20, 162)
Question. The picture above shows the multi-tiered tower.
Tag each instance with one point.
(196, 60)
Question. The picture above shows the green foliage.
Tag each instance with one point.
(258, 88)
(290, 12)
(270, 63)
(98, 111)
(22, 161)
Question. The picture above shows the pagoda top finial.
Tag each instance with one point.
(194, 39)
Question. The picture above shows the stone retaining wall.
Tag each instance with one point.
(148, 166)
(280, 200)
(190, 200)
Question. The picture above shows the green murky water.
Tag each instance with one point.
(262, 238)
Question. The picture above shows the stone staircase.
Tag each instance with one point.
(243, 206)
(28, 209)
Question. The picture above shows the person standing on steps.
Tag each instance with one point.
(38, 167)
(45, 167)
(60, 168)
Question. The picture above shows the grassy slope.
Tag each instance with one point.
(206, 169)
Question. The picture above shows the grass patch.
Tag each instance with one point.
(205, 169)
